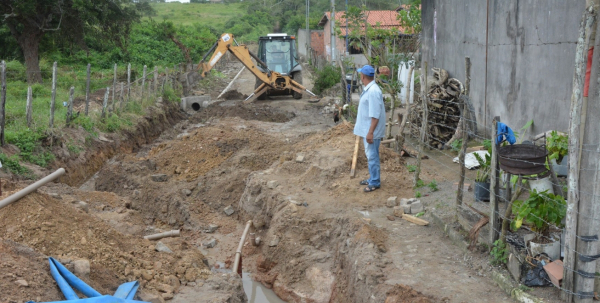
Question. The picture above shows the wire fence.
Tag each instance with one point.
(508, 219)
(66, 94)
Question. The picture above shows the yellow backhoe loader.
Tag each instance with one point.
(281, 73)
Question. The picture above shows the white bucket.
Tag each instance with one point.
(551, 249)
(541, 185)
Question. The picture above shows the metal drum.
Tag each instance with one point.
(522, 159)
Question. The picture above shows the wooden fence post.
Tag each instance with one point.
(143, 81)
(494, 180)
(2, 102)
(128, 82)
(114, 86)
(70, 106)
(53, 100)
(423, 122)
(105, 103)
(121, 97)
(155, 84)
(87, 89)
(29, 107)
(465, 134)
(571, 223)
(165, 79)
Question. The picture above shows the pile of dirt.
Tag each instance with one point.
(406, 294)
(246, 112)
(55, 228)
(234, 95)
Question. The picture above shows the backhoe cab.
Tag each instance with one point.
(278, 51)
(276, 69)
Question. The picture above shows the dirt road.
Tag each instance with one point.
(280, 163)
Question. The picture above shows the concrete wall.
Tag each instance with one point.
(522, 55)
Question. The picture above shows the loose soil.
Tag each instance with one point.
(281, 164)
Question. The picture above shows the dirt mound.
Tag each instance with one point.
(406, 294)
(234, 95)
(19, 263)
(246, 112)
(60, 230)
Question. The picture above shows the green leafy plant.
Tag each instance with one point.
(499, 253)
(540, 210)
(420, 184)
(485, 167)
(433, 185)
(12, 165)
(411, 168)
(420, 214)
(456, 145)
(487, 144)
(327, 77)
(557, 145)
(418, 194)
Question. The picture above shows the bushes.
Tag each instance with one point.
(327, 77)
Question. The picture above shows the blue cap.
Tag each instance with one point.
(367, 70)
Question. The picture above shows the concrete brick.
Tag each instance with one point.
(514, 267)
(416, 208)
(406, 208)
(392, 201)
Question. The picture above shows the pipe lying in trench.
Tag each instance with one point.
(238, 252)
(170, 233)
(29, 189)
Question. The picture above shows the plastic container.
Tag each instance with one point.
(551, 249)
(482, 191)
(541, 185)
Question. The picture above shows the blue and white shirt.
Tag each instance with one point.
(370, 106)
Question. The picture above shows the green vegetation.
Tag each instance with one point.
(558, 146)
(411, 168)
(456, 145)
(433, 185)
(205, 14)
(418, 194)
(420, 214)
(419, 184)
(541, 209)
(499, 253)
(12, 165)
(326, 77)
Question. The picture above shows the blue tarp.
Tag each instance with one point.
(67, 281)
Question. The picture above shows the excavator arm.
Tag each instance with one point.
(270, 79)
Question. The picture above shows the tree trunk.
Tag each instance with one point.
(29, 41)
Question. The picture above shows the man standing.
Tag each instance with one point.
(370, 124)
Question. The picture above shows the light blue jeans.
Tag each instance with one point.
(372, 152)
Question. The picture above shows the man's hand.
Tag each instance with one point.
(370, 138)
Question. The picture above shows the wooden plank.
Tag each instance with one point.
(571, 223)
(495, 176)
(355, 157)
(413, 219)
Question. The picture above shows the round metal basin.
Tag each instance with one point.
(522, 159)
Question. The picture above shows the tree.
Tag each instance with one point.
(30, 20)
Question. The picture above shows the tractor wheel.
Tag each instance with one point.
(298, 78)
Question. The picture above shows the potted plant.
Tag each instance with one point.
(482, 180)
(558, 147)
(541, 210)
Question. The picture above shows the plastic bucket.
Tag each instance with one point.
(482, 191)
(541, 185)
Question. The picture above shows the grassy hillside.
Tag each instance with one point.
(214, 15)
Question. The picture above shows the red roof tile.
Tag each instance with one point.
(385, 19)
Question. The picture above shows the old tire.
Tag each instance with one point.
(262, 96)
(298, 78)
